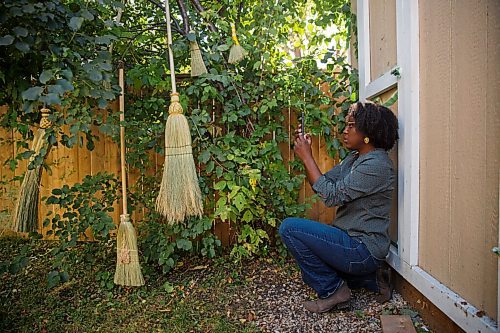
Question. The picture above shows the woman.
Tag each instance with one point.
(351, 252)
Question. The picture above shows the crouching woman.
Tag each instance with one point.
(351, 252)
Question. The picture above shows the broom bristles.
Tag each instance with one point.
(197, 65)
(180, 194)
(236, 54)
(128, 270)
(26, 211)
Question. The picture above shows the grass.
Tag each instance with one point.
(191, 298)
(199, 295)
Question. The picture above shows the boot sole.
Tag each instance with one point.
(339, 306)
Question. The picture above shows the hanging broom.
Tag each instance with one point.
(180, 194)
(26, 211)
(197, 65)
(237, 52)
(128, 269)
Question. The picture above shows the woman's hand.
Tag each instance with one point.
(302, 145)
(302, 148)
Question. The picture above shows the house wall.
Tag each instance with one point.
(460, 146)
(382, 37)
(383, 57)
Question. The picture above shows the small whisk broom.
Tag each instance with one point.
(197, 64)
(237, 52)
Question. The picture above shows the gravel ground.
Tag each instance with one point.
(272, 299)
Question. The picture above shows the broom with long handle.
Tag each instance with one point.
(180, 194)
(128, 270)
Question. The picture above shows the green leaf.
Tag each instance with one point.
(221, 202)
(191, 37)
(56, 89)
(257, 65)
(210, 167)
(87, 15)
(27, 154)
(220, 185)
(32, 93)
(184, 244)
(6, 40)
(105, 66)
(46, 76)
(95, 75)
(65, 85)
(223, 47)
(218, 171)
(393, 99)
(336, 143)
(409, 312)
(168, 287)
(22, 46)
(57, 191)
(75, 23)
(51, 99)
(106, 39)
(204, 156)
(64, 276)
(53, 279)
(67, 73)
(240, 201)
(248, 216)
(29, 9)
(20, 31)
(102, 103)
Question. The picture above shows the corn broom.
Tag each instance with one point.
(26, 210)
(128, 270)
(180, 194)
(237, 52)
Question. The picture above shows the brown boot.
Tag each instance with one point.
(339, 299)
(384, 283)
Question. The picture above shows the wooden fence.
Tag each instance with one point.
(69, 166)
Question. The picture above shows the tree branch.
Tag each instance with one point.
(158, 5)
(152, 26)
(176, 26)
(182, 8)
(199, 8)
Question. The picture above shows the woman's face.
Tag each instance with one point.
(353, 139)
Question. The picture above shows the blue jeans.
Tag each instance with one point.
(328, 256)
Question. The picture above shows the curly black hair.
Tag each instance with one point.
(376, 122)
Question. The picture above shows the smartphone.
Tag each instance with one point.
(303, 122)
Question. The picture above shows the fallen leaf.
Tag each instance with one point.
(196, 268)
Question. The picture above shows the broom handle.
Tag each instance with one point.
(169, 44)
(122, 136)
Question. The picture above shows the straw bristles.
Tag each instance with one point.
(197, 65)
(26, 211)
(236, 54)
(180, 194)
(128, 270)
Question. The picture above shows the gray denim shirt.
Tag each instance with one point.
(361, 186)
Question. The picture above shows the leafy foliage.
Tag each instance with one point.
(296, 62)
(56, 54)
(85, 209)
